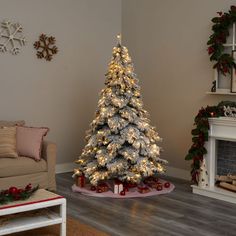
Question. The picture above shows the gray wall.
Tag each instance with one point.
(61, 94)
(167, 40)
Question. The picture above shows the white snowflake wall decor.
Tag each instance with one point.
(11, 38)
(45, 47)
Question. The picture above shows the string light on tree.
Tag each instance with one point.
(121, 143)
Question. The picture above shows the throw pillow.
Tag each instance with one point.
(29, 141)
(5, 123)
(8, 142)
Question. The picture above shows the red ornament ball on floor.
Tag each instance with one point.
(122, 193)
(93, 188)
(159, 187)
(99, 190)
(166, 184)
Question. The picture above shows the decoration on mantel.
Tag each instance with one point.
(45, 47)
(11, 38)
(15, 194)
(224, 61)
(200, 134)
(229, 111)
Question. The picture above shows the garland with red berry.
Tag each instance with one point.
(224, 61)
(200, 135)
(15, 194)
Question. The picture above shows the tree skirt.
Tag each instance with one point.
(132, 193)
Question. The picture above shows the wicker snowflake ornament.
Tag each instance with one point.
(45, 47)
(11, 38)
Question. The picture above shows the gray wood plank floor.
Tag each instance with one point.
(178, 213)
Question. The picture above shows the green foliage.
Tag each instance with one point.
(200, 135)
(221, 24)
(227, 103)
(7, 196)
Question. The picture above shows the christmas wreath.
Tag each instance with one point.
(15, 194)
(200, 135)
(224, 61)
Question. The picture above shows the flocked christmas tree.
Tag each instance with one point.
(121, 143)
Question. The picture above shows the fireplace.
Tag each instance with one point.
(222, 133)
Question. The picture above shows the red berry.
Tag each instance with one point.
(16, 197)
(166, 184)
(122, 193)
(210, 50)
(28, 187)
(225, 69)
(6, 192)
(20, 190)
(126, 189)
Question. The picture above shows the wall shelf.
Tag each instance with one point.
(221, 93)
(222, 81)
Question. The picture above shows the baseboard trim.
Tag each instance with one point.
(178, 173)
(65, 167)
(171, 171)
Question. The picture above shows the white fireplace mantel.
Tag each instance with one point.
(222, 128)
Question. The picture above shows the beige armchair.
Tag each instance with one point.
(23, 170)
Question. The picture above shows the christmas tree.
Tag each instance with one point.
(121, 143)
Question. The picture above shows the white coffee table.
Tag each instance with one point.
(55, 213)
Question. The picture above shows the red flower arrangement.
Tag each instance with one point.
(15, 194)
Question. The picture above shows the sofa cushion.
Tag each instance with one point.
(21, 166)
(5, 123)
(29, 141)
(8, 142)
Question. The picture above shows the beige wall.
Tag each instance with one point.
(61, 94)
(167, 41)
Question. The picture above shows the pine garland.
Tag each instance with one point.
(200, 135)
(224, 61)
(15, 194)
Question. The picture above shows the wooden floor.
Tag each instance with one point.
(178, 213)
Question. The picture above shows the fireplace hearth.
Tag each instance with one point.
(222, 133)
